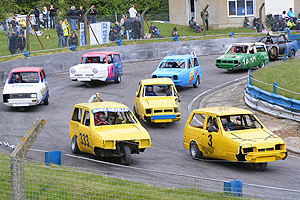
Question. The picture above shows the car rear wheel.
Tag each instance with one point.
(125, 155)
(118, 78)
(88, 84)
(273, 53)
(260, 166)
(194, 150)
(46, 101)
(197, 82)
(74, 146)
(261, 64)
(292, 54)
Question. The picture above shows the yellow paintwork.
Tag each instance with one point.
(106, 136)
(161, 107)
(229, 144)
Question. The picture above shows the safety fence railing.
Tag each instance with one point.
(271, 102)
(107, 180)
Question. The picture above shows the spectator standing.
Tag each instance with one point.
(73, 40)
(115, 35)
(60, 33)
(15, 25)
(32, 23)
(118, 28)
(52, 13)
(66, 32)
(123, 20)
(8, 34)
(128, 27)
(132, 12)
(45, 17)
(137, 27)
(206, 18)
(13, 45)
(72, 14)
(284, 16)
(22, 23)
(93, 14)
(37, 15)
(21, 43)
(80, 13)
(154, 30)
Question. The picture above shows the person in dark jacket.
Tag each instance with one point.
(154, 30)
(72, 14)
(276, 27)
(115, 35)
(118, 28)
(73, 40)
(136, 28)
(21, 43)
(13, 45)
(128, 27)
(194, 25)
(52, 13)
(93, 14)
(80, 13)
(60, 33)
(37, 15)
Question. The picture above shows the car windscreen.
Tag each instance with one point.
(238, 49)
(94, 59)
(177, 64)
(158, 90)
(24, 77)
(112, 116)
(269, 39)
(239, 122)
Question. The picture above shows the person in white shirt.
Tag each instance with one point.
(132, 12)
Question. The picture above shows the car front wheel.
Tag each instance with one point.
(260, 166)
(194, 151)
(197, 82)
(88, 84)
(118, 78)
(262, 64)
(46, 101)
(292, 54)
(74, 146)
(125, 155)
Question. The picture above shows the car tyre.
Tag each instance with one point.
(118, 78)
(194, 150)
(74, 145)
(88, 84)
(197, 83)
(273, 54)
(46, 101)
(262, 64)
(125, 155)
(260, 166)
(292, 54)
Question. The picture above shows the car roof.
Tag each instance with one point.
(104, 104)
(223, 111)
(247, 44)
(186, 56)
(94, 53)
(26, 69)
(155, 81)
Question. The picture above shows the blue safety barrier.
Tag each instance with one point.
(26, 54)
(231, 34)
(73, 47)
(53, 157)
(234, 187)
(272, 98)
(118, 42)
(295, 37)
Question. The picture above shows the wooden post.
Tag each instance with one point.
(142, 21)
(85, 24)
(17, 157)
(260, 16)
(27, 30)
(203, 18)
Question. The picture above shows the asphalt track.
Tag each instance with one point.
(166, 162)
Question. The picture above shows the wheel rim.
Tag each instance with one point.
(119, 78)
(193, 150)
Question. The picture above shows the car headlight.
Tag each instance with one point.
(33, 95)
(148, 111)
(72, 70)
(95, 71)
(176, 109)
(175, 77)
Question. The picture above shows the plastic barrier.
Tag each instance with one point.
(26, 54)
(118, 42)
(234, 187)
(295, 37)
(53, 157)
(231, 34)
(73, 47)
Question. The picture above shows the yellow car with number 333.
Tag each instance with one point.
(232, 134)
(107, 129)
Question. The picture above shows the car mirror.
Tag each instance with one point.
(212, 129)
(137, 94)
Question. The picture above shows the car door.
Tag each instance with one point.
(84, 132)
(252, 57)
(75, 122)
(137, 101)
(117, 63)
(189, 73)
(43, 88)
(283, 45)
(211, 137)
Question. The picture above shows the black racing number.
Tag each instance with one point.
(84, 139)
(210, 140)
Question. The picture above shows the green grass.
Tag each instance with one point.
(285, 74)
(51, 44)
(56, 182)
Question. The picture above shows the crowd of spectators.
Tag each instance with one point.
(288, 20)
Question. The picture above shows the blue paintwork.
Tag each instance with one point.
(186, 75)
(153, 117)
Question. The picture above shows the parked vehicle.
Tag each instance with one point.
(279, 46)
